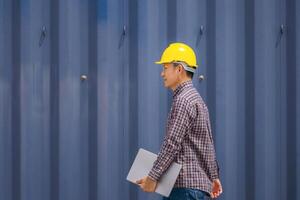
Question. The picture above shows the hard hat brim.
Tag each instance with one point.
(159, 62)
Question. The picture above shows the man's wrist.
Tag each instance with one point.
(154, 175)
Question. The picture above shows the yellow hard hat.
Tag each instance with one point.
(179, 52)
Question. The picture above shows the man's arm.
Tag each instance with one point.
(213, 166)
(172, 144)
(211, 161)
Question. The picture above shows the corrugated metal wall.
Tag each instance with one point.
(66, 138)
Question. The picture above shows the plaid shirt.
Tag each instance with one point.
(188, 141)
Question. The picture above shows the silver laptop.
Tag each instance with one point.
(143, 164)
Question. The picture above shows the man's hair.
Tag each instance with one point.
(188, 73)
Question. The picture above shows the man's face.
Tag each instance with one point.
(170, 75)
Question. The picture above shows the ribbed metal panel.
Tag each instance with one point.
(66, 138)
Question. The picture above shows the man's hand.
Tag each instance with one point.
(216, 189)
(147, 184)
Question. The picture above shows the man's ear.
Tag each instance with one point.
(180, 67)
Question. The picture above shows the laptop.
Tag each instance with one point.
(143, 164)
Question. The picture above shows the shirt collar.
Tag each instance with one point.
(182, 87)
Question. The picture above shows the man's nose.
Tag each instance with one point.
(162, 74)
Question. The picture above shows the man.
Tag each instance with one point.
(188, 140)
